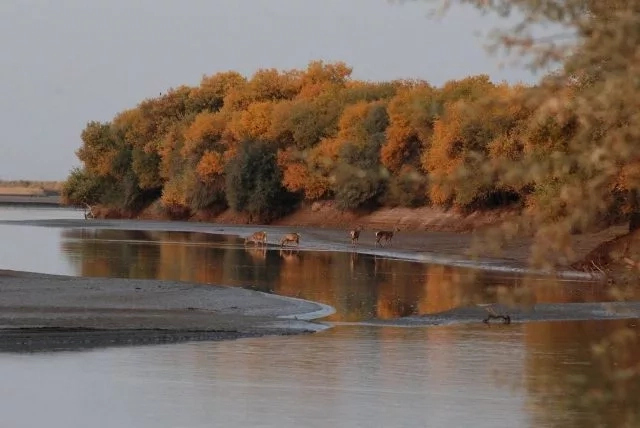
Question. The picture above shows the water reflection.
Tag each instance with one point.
(359, 286)
(570, 385)
(458, 376)
(31, 212)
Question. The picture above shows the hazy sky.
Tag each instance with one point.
(66, 62)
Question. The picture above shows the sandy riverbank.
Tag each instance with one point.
(59, 312)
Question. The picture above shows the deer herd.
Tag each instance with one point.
(260, 238)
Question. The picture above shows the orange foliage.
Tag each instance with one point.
(210, 94)
(206, 127)
(173, 195)
(210, 165)
(325, 154)
(442, 158)
(297, 178)
(271, 85)
(410, 126)
(168, 151)
(310, 115)
(320, 72)
(255, 121)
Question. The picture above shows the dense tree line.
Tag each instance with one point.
(264, 144)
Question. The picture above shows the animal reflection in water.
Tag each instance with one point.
(290, 238)
(258, 238)
(290, 255)
(353, 261)
(257, 253)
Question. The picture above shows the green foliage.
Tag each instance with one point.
(254, 182)
(409, 189)
(204, 195)
(356, 188)
(82, 187)
(146, 168)
(377, 120)
(359, 177)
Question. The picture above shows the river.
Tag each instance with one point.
(349, 375)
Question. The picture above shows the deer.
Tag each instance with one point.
(492, 314)
(290, 237)
(88, 213)
(387, 235)
(257, 238)
(355, 235)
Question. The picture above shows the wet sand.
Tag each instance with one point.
(58, 312)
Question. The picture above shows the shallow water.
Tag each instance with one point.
(360, 286)
(508, 376)
(465, 375)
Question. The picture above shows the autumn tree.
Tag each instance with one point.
(254, 182)
(586, 117)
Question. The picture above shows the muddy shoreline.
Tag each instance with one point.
(55, 312)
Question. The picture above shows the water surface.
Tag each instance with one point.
(352, 376)
(360, 286)
(508, 376)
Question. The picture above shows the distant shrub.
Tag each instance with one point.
(82, 187)
(408, 189)
(357, 188)
(254, 183)
(202, 194)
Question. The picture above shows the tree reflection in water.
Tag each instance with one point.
(359, 286)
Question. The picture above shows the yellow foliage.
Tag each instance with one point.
(173, 195)
(351, 126)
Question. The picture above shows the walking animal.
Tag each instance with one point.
(387, 235)
(355, 235)
(492, 315)
(88, 213)
(257, 238)
(290, 238)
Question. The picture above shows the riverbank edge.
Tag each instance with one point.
(434, 247)
(41, 312)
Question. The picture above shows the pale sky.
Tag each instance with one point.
(67, 62)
